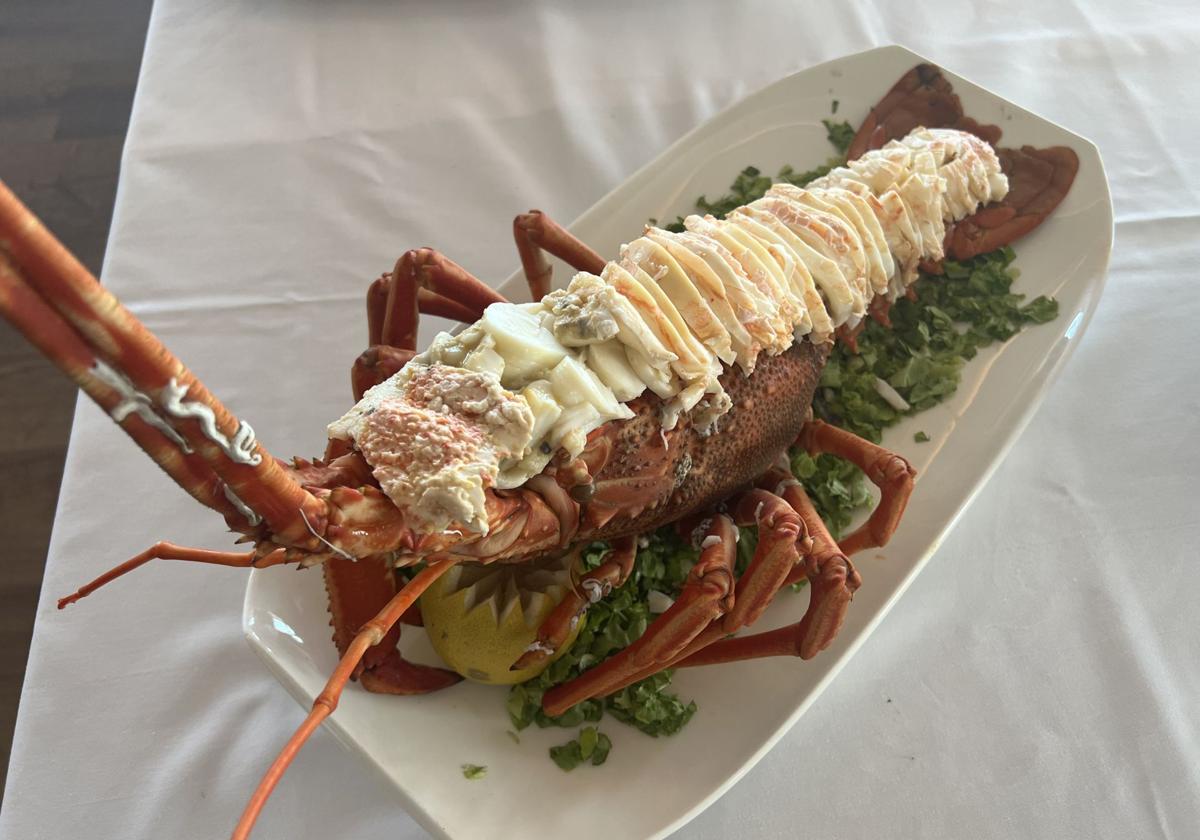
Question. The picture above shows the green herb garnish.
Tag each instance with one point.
(921, 355)
(751, 185)
(649, 707)
(920, 437)
(612, 625)
(591, 745)
(474, 771)
(838, 489)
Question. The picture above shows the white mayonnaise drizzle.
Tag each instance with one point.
(240, 450)
(241, 507)
(134, 401)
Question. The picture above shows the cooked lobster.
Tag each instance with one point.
(727, 376)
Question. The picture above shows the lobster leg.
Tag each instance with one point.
(428, 302)
(374, 365)
(371, 634)
(170, 551)
(395, 302)
(833, 581)
(893, 475)
(154, 378)
(455, 288)
(595, 585)
(783, 537)
(707, 595)
(536, 232)
(358, 589)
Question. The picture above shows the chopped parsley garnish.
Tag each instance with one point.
(921, 355)
(611, 626)
(474, 771)
(751, 185)
(970, 306)
(838, 489)
(591, 745)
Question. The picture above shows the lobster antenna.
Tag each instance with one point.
(58, 341)
(154, 378)
(370, 635)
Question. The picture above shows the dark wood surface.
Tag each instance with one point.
(67, 76)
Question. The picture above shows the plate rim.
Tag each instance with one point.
(839, 660)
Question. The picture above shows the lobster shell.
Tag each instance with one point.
(769, 408)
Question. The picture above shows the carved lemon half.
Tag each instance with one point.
(480, 619)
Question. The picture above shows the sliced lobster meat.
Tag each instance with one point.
(1039, 179)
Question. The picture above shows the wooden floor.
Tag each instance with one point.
(67, 76)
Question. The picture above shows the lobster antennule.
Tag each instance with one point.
(155, 384)
(370, 635)
(170, 551)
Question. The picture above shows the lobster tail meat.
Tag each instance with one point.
(518, 393)
(922, 110)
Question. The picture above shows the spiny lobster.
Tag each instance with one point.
(631, 475)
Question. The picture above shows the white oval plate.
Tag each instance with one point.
(420, 743)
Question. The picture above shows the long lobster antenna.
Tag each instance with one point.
(370, 635)
(129, 372)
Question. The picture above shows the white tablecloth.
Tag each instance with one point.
(1040, 679)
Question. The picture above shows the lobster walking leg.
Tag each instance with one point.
(536, 232)
(358, 589)
(374, 365)
(371, 634)
(593, 586)
(155, 378)
(833, 581)
(706, 596)
(425, 268)
(782, 538)
(893, 475)
(429, 302)
(170, 551)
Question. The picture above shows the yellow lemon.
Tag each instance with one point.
(480, 619)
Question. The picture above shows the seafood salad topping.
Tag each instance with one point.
(667, 316)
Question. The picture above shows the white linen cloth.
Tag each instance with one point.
(1041, 677)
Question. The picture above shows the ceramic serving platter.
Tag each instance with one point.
(286, 622)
